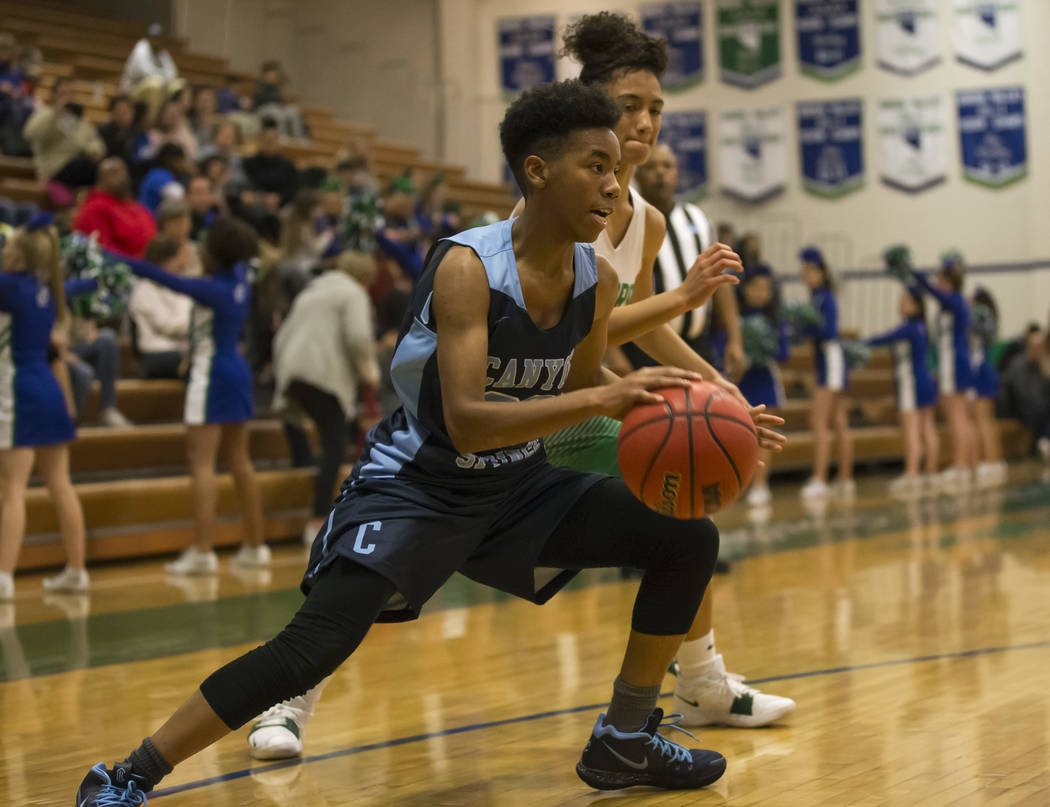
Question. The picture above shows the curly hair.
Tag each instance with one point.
(607, 44)
(229, 241)
(541, 119)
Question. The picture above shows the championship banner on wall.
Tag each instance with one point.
(908, 35)
(987, 32)
(681, 24)
(686, 134)
(828, 37)
(752, 149)
(913, 139)
(992, 135)
(830, 135)
(526, 53)
(749, 42)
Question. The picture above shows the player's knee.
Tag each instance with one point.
(693, 545)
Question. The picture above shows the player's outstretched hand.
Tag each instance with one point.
(764, 421)
(634, 389)
(709, 272)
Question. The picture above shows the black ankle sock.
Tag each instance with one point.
(147, 763)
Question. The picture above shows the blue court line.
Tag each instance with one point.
(415, 738)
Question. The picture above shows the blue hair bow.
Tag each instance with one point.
(45, 218)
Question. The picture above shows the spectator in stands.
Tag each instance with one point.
(1024, 389)
(16, 102)
(268, 101)
(150, 74)
(227, 98)
(96, 357)
(174, 221)
(726, 233)
(66, 147)
(323, 352)
(305, 234)
(204, 206)
(226, 142)
(119, 133)
(270, 171)
(123, 225)
(204, 118)
(172, 127)
(401, 237)
(163, 180)
(161, 316)
(364, 215)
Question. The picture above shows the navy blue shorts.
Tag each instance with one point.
(416, 535)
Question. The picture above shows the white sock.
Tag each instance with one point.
(694, 654)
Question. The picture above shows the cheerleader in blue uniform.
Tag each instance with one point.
(954, 374)
(219, 392)
(761, 382)
(916, 394)
(829, 405)
(984, 327)
(35, 422)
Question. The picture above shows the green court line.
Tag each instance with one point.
(120, 637)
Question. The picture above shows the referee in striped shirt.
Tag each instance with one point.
(688, 234)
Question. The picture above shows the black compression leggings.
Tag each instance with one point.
(608, 527)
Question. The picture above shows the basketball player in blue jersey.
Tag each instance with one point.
(502, 344)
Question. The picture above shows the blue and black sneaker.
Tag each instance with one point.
(615, 759)
(118, 787)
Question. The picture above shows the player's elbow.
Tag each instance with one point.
(465, 433)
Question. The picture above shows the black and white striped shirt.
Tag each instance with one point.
(688, 234)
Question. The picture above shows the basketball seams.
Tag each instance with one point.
(722, 448)
(659, 451)
(674, 416)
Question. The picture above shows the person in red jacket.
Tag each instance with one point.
(123, 225)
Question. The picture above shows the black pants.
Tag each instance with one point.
(80, 172)
(324, 410)
(603, 530)
(162, 364)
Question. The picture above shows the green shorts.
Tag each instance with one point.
(588, 446)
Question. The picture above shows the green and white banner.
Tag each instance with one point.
(752, 153)
(749, 41)
(908, 35)
(913, 141)
(987, 32)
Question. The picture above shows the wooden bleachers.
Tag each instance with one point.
(94, 49)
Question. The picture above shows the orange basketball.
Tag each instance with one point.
(691, 455)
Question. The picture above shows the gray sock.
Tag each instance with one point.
(147, 762)
(630, 705)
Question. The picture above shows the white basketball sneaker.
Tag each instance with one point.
(252, 557)
(278, 732)
(70, 580)
(193, 561)
(719, 698)
(759, 496)
(814, 489)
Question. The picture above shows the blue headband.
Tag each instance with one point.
(45, 218)
(811, 255)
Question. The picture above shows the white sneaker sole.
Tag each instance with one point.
(274, 743)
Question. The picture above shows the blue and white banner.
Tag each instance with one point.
(830, 138)
(913, 140)
(908, 35)
(686, 134)
(828, 37)
(987, 32)
(752, 153)
(681, 24)
(526, 52)
(992, 135)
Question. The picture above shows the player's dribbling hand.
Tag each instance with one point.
(764, 421)
(634, 389)
(708, 274)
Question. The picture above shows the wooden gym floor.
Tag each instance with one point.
(915, 637)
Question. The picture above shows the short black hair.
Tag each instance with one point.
(120, 98)
(541, 119)
(607, 44)
(230, 241)
(168, 153)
